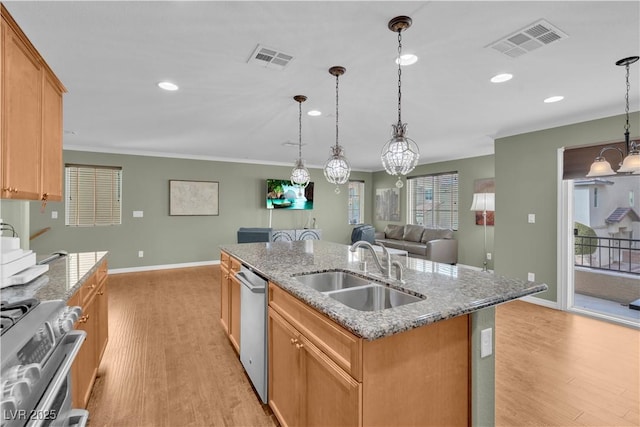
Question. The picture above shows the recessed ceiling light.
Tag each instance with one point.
(167, 86)
(500, 78)
(407, 59)
(314, 113)
(553, 99)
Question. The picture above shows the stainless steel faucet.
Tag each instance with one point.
(386, 258)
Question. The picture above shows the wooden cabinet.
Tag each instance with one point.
(92, 297)
(230, 298)
(321, 374)
(306, 386)
(224, 291)
(31, 124)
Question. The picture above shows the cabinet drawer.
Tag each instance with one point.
(88, 290)
(235, 265)
(102, 272)
(224, 259)
(344, 348)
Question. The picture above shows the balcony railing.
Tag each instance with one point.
(608, 253)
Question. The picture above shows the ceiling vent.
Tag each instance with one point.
(269, 58)
(532, 37)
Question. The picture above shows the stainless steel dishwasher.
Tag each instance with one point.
(253, 329)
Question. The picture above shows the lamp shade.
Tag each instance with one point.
(631, 163)
(483, 202)
(600, 167)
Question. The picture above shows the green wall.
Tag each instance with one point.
(168, 239)
(526, 168)
(470, 236)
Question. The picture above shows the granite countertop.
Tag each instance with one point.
(450, 290)
(64, 277)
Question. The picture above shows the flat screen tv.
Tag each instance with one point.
(282, 195)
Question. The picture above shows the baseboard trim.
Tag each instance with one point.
(161, 267)
(541, 301)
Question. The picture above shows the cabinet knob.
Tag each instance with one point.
(299, 346)
(294, 340)
(101, 293)
(83, 319)
(10, 189)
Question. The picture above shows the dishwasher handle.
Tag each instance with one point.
(246, 281)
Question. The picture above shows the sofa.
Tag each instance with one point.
(434, 244)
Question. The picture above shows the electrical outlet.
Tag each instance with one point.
(54, 214)
(489, 256)
(138, 214)
(531, 277)
(140, 254)
(486, 342)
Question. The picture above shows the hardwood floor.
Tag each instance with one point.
(559, 369)
(168, 363)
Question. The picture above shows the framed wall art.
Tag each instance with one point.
(193, 198)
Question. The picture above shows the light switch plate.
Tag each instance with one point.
(140, 254)
(532, 218)
(54, 214)
(531, 277)
(486, 342)
(138, 214)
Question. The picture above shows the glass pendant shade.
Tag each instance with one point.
(400, 154)
(337, 168)
(631, 163)
(600, 167)
(300, 175)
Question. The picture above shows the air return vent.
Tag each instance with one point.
(534, 36)
(269, 58)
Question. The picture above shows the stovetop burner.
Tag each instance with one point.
(11, 313)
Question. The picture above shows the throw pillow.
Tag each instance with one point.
(392, 231)
(412, 233)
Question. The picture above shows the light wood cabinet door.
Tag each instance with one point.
(102, 316)
(224, 298)
(84, 369)
(21, 117)
(234, 315)
(51, 153)
(284, 366)
(329, 396)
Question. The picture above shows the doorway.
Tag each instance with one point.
(600, 248)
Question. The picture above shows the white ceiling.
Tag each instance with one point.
(110, 55)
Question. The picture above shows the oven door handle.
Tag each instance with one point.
(73, 341)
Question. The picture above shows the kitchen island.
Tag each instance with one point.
(416, 364)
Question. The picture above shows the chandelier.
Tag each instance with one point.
(400, 154)
(300, 175)
(630, 163)
(337, 168)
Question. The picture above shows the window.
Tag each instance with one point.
(433, 200)
(93, 195)
(356, 202)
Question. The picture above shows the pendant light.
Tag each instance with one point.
(300, 175)
(400, 154)
(630, 163)
(337, 168)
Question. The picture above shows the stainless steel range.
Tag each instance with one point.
(38, 349)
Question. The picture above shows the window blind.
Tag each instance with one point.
(93, 195)
(433, 200)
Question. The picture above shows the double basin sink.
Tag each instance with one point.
(357, 292)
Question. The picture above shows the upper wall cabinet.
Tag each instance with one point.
(31, 124)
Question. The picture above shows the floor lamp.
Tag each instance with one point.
(485, 202)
